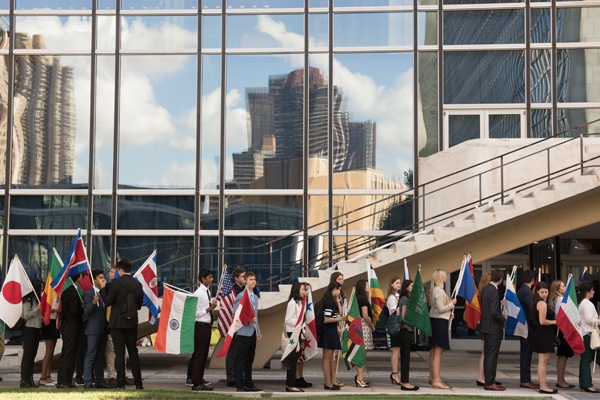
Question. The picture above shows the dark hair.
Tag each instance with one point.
(204, 273)
(295, 291)
(404, 288)
(96, 272)
(533, 314)
(250, 274)
(584, 288)
(327, 295)
(361, 287)
(124, 264)
(333, 278)
(38, 288)
(75, 278)
(496, 275)
(237, 271)
(528, 276)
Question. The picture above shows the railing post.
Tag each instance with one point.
(271, 266)
(280, 266)
(422, 208)
(346, 244)
(502, 179)
(581, 149)
(548, 162)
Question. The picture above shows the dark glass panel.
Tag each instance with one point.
(263, 213)
(209, 213)
(102, 215)
(569, 121)
(541, 76)
(155, 212)
(462, 128)
(540, 25)
(579, 246)
(428, 103)
(483, 27)
(99, 254)
(504, 126)
(48, 212)
(541, 123)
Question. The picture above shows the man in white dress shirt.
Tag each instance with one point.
(202, 330)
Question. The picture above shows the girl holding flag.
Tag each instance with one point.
(589, 317)
(329, 341)
(293, 312)
(564, 350)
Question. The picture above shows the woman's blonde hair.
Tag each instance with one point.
(437, 280)
(553, 293)
(485, 279)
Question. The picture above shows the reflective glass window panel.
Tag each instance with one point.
(540, 25)
(211, 120)
(211, 4)
(318, 164)
(99, 253)
(264, 122)
(159, 5)
(318, 3)
(53, 5)
(577, 75)
(541, 76)
(35, 252)
(211, 32)
(159, 33)
(472, 77)
(428, 102)
(106, 4)
(373, 212)
(263, 212)
(48, 212)
(483, 27)
(155, 212)
(377, 29)
(209, 255)
(427, 31)
(373, 135)
(106, 33)
(102, 214)
(158, 121)
(481, 1)
(462, 128)
(426, 2)
(502, 126)
(4, 5)
(4, 112)
(541, 123)
(371, 3)
(577, 24)
(52, 118)
(569, 121)
(54, 33)
(265, 31)
(173, 260)
(318, 28)
(265, 4)
(209, 212)
(105, 125)
(318, 213)
(1, 212)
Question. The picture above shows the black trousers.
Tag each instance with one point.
(81, 350)
(230, 359)
(525, 357)
(31, 341)
(126, 338)
(405, 343)
(202, 333)
(68, 356)
(491, 349)
(246, 348)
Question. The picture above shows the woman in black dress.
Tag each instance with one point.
(329, 341)
(544, 324)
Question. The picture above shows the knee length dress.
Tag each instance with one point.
(543, 342)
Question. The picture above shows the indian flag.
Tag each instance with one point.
(567, 318)
(176, 327)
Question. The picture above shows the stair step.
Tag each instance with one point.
(425, 242)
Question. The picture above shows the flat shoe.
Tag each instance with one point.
(565, 387)
(551, 391)
(414, 388)
(297, 390)
(588, 390)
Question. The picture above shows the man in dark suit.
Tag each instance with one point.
(524, 294)
(95, 331)
(70, 328)
(492, 325)
(123, 330)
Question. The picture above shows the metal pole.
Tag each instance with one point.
(581, 150)
(346, 244)
(502, 179)
(271, 266)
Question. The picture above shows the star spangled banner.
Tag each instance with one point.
(226, 298)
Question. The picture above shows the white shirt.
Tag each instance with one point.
(588, 315)
(291, 314)
(203, 295)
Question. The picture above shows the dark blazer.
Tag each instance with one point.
(116, 297)
(525, 296)
(492, 320)
(71, 312)
(95, 313)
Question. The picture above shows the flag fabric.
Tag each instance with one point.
(77, 263)
(567, 318)
(16, 285)
(353, 342)
(49, 296)
(176, 327)
(469, 292)
(146, 275)
(226, 297)
(377, 298)
(242, 316)
(294, 339)
(406, 273)
(538, 278)
(310, 333)
(584, 275)
(516, 321)
(417, 311)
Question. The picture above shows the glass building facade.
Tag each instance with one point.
(184, 126)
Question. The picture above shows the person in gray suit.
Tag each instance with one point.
(492, 325)
(95, 331)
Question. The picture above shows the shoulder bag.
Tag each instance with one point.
(595, 337)
(394, 323)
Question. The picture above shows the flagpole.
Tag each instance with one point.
(25, 274)
(176, 288)
(221, 278)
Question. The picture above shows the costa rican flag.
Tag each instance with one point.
(146, 275)
(226, 297)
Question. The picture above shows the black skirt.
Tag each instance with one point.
(564, 350)
(50, 332)
(439, 333)
(543, 342)
(330, 338)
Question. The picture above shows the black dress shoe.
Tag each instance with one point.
(551, 391)
(301, 383)
(122, 387)
(188, 382)
(206, 383)
(333, 387)
(139, 386)
(564, 387)
(588, 390)
(479, 383)
(402, 387)
(297, 390)
(252, 389)
(240, 389)
(201, 387)
(231, 384)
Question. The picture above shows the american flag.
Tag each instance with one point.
(226, 297)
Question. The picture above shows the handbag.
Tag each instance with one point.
(394, 324)
(556, 340)
(595, 337)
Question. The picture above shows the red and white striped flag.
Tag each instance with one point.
(226, 298)
(243, 315)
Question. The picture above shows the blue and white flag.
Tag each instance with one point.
(406, 273)
(584, 275)
(516, 322)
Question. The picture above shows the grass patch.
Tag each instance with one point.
(55, 394)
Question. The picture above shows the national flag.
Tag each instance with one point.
(226, 298)
(176, 327)
(468, 291)
(516, 321)
(584, 275)
(77, 263)
(567, 318)
(146, 275)
(406, 273)
(353, 342)
(16, 285)
(417, 311)
(49, 296)
(294, 339)
(538, 278)
(377, 298)
(310, 333)
(242, 316)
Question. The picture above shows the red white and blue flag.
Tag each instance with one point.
(77, 263)
(226, 298)
(242, 316)
(146, 275)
